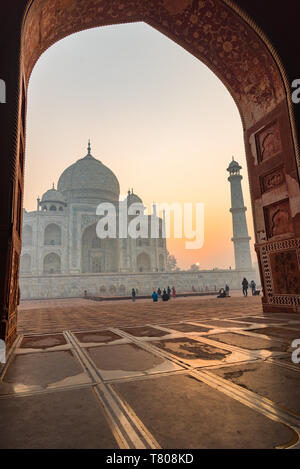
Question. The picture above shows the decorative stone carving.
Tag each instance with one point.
(278, 219)
(13, 301)
(269, 142)
(209, 29)
(176, 6)
(261, 235)
(273, 180)
(286, 273)
(276, 267)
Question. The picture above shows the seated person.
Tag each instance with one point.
(165, 296)
(222, 293)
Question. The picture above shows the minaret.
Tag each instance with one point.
(241, 238)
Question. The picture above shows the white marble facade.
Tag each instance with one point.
(121, 284)
(60, 238)
(62, 256)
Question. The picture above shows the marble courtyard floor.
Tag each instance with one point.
(194, 372)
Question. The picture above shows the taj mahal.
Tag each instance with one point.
(62, 255)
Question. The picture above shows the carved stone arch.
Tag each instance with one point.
(219, 34)
(223, 37)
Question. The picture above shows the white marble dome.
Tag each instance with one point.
(89, 180)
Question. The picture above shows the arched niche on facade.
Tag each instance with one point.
(97, 255)
(52, 235)
(52, 264)
(92, 256)
(143, 262)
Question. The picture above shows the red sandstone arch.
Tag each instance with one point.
(232, 47)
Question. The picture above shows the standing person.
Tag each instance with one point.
(245, 285)
(169, 291)
(133, 294)
(227, 289)
(173, 292)
(154, 296)
(253, 287)
(159, 292)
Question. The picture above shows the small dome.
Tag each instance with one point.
(234, 166)
(133, 198)
(52, 195)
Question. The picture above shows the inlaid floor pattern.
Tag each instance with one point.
(192, 373)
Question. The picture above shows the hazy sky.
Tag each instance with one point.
(156, 116)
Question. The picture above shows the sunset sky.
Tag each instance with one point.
(156, 116)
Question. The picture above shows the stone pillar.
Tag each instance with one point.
(12, 129)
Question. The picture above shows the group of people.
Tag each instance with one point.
(165, 295)
(224, 292)
(245, 285)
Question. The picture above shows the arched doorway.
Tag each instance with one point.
(97, 255)
(231, 46)
(92, 256)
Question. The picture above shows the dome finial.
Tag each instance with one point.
(89, 147)
(53, 185)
